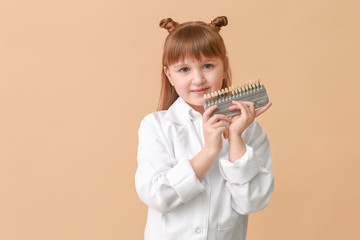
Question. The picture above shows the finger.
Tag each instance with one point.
(248, 103)
(206, 114)
(234, 107)
(217, 117)
(261, 110)
(219, 124)
(226, 133)
(251, 106)
(221, 130)
(243, 108)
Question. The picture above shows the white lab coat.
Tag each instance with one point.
(179, 205)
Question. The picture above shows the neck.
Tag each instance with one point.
(199, 109)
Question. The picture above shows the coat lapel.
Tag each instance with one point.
(188, 138)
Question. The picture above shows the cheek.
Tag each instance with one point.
(218, 80)
(181, 86)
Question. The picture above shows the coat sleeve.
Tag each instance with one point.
(250, 179)
(162, 182)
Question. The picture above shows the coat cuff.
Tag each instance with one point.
(183, 180)
(243, 170)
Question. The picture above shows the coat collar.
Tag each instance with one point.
(180, 112)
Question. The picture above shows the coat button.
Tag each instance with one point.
(198, 230)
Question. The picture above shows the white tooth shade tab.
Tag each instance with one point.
(251, 90)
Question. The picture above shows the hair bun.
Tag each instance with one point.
(168, 24)
(219, 22)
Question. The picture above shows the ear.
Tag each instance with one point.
(167, 73)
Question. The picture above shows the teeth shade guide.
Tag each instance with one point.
(248, 91)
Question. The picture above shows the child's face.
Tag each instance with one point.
(192, 79)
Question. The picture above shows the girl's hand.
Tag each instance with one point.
(213, 128)
(248, 114)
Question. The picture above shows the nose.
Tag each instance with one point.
(198, 77)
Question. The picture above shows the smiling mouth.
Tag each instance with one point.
(199, 91)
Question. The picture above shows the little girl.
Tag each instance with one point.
(200, 176)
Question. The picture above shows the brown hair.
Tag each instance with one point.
(190, 39)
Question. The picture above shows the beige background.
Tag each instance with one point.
(77, 77)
